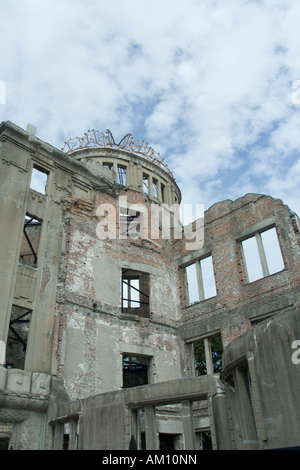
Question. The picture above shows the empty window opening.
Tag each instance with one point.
(39, 179)
(130, 222)
(17, 337)
(155, 188)
(163, 192)
(122, 175)
(208, 355)
(4, 443)
(204, 440)
(201, 280)
(30, 241)
(66, 440)
(131, 293)
(135, 292)
(262, 255)
(166, 441)
(108, 165)
(135, 370)
(146, 183)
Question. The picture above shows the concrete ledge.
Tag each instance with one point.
(20, 381)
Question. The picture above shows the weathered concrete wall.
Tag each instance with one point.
(103, 427)
(27, 286)
(107, 421)
(24, 399)
(79, 331)
(275, 379)
(92, 331)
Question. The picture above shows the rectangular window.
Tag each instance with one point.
(122, 175)
(204, 440)
(208, 355)
(192, 282)
(130, 222)
(201, 280)
(262, 255)
(131, 293)
(155, 188)
(163, 192)
(135, 370)
(108, 165)
(135, 292)
(39, 179)
(17, 337)
(30, 241)
(166, 441)
(145, 183)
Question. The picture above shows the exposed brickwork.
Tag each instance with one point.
(239, 302)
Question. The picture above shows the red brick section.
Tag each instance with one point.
(224, 222)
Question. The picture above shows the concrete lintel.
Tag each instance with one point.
(141, 350)
(147, 268)
(173, 391)
(260, 226)
(163, 393)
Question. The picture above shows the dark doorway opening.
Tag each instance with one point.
(4, 443)
(166, 441)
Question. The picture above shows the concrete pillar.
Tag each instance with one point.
(139, 175)
(152, 442)
(150, 185)
(221, 424)
(72, 435)
(39, 347)
(262, 255)
(200, 282)
(208, 356)
(131, 177)
(188, 426)
(15, 167)
(168, 195)
(58, 436)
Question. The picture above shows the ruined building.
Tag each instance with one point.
(119, 325)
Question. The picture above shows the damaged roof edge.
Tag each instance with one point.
(55, 153)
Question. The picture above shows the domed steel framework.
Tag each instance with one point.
(93, 138)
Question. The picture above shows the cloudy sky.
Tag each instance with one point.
(212, 85)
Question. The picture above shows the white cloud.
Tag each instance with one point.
(207, 84)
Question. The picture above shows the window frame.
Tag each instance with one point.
(36, 174)
(141, 306)
(146, 183)
(200, 279)
(145, 364)
(209, 351)
(257, 235)
(122, 174)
